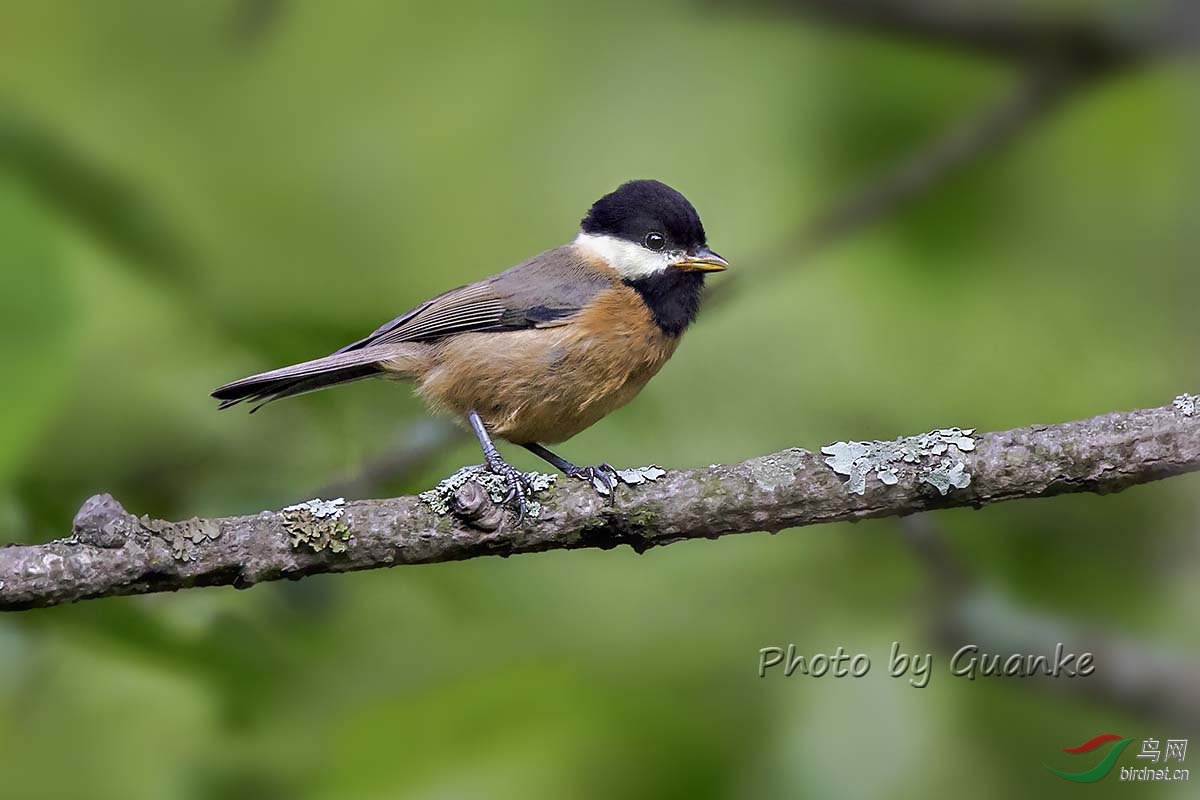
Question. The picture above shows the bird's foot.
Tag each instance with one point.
(603, 477)
(520, 490)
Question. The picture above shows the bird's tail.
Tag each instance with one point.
(320, 373)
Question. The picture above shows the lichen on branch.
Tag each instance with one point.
(113, 552)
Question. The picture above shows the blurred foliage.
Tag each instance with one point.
(193, 191)
(32, 283)
(110, 209)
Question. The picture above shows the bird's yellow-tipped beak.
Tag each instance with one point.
(703, 260)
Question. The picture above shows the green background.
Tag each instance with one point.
(191, 192)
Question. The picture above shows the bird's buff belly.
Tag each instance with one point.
(543, 385)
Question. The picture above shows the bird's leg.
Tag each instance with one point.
(518, 485)
(605, 474)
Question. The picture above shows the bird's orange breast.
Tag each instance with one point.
(548, 384)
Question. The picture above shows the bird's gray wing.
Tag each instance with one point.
(546, 290)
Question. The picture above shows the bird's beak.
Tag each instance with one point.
(703, 260)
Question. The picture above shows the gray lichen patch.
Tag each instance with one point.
(936, 457)
(440, 497)
(635, 476)
(183, 536)
(1187, 404)
(318, 524)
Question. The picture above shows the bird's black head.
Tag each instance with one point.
(652, 236)
(647, 213)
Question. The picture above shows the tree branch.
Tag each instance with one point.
(115, 553)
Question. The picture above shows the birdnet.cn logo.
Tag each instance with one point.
(1154, 767)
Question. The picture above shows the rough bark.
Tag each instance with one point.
(112, 552)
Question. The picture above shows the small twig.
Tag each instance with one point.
(415, 447)
(1133, 675)
(1040, 92)
(948, 577)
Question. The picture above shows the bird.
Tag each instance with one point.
(537, 353)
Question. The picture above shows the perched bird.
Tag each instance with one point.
(544, 349)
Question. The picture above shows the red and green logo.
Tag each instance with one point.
(1100, 770)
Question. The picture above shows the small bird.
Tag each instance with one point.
(543, 350)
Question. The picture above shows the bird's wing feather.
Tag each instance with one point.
(545, 291)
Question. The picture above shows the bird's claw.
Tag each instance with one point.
(519, 487)
(602, 477)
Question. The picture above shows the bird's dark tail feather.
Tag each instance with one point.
(300, 378)
(268, 391)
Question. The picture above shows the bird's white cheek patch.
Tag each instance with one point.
(629, 259)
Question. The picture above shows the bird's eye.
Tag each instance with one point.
(655, 241)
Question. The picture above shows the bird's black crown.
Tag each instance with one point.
(639, 208)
